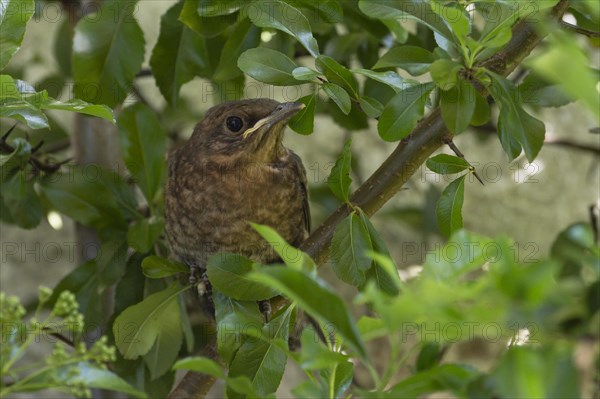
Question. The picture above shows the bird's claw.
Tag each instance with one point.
(265, 309)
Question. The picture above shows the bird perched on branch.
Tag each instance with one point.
(232, 171)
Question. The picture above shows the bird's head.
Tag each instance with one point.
(247, 129)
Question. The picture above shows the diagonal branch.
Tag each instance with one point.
(426, 137)
(579, 30)
(397, 169)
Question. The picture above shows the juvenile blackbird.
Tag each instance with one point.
(234, 170)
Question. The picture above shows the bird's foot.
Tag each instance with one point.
(265, 309)
(194, 272)
(204, 287)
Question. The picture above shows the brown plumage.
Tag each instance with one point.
(234, 170)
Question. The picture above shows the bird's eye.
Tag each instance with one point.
(234, 123)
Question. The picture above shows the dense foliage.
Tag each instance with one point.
(391, 62)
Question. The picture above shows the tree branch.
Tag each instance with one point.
(574, 145)
(406, 159)
(579, 29)
(426, 137)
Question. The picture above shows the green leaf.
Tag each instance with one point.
(282, 16)
(210, 8)
(169, 338)
(497, 16)
(304, 121)
(339, 96)
(355, 120)
(449, 207)
(337, 74)
(371, 328)
(384, 272)
(418, 10)
(108, 50)
(157, 267)
(83, 282)
(348, 246)
(16, 159)
(445, 164)
(564, 63)
(576, 249)
(395, 26)
(310, 389)
(446, 377)
(62, 53)
(93, 376)
(9, 89)
(142, 234)
(200, 365)
(339, 378)
(244, 36)
(81, 107)
(315, 355)
(92, 195)
(241, 386)
(515, 126)
(339, 179)
(20, 101)
(144, 146)
(458, 106)
(234, 318)
(429, 356)
(371, 106)
(463, 253)
(455, 18)
(445, 73)
(292, 257)
(390, 78)
(112, 260)
(21, 200)
(206, 26)
(24, 112)
(159, 387)
(344, 46)
(537, 373)
(316, 297)
(498, 39)
(130, 288)
(268, 66)
(139, 326)
(178, 56)
(14, 15)
(263, 360)
(537, 91)
(403, 111)
(415, 60)
(228, 272)
(482, 112)
(304, 73)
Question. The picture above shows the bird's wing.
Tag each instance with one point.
(297, 162)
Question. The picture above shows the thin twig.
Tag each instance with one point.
(5, 135)
(594, 211)
(573, 145)
(36, 163)
(61, 337)
(579, 29)
(549, 140)
(37, 147)
(448, 141)
(143, 73)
